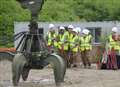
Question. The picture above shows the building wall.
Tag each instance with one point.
(105, 26)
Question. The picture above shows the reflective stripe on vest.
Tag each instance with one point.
(85, 43)
(74, 44)
(63, 41)
(50, 38)
(113, 44)
(60, 42)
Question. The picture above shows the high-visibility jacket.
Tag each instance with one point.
(85, 43)
(113, 44)
(66, 40)
(51, 39)
(60, 41)
(74, 43)
(63, 41)
(70, 39)
(70, 36)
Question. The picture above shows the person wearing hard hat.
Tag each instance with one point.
(70, 29)
(114, 45)
(63, 43)
(61, 32)
(112, 39)
(51, 37)
(85, 47)
(79, 36)
(74, 47)
(70, 34)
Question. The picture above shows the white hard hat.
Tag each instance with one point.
(70, 27)
(115, 29)
(51, 26)
(62, 28)
(85, 31)
(88, 31)
(75, 30)
(78, 29)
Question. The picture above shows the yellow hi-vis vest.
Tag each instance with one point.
(63, 41)
(113, 44)
(85, 43)
(70, 39)
(74, 44)
(51, 39)
(60, 42)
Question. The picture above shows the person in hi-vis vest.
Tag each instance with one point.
(112, 40)
(114, 44)
(74, 48)
(51, 37)
(85, 47)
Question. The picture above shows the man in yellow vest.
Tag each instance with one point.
(69, 53)
(85, 47)
(113, 44)
(79, 36)
(74, 47)
(61, 32)
(70, 30)
(51, 38)
(63, 43)
(112, 40)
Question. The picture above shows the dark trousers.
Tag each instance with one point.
(67, 56)
(74, 58)
(118, 61)
(85, 58)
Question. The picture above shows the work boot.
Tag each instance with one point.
(89, 66)
(75, 65)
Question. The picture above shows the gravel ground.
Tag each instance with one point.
(75, 77)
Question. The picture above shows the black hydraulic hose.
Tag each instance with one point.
(18, 35)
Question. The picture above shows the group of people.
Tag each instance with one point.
(70, 42)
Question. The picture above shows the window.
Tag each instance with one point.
(41, 31)
(96, 33)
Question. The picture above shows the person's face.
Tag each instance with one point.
(51, 29)
(61, 31)
(78, 33)
(114, 33)
(84, 35)
(70, 30)
(74, 33)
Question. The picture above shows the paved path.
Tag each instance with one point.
(74, 77)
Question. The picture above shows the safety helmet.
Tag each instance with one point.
(70, 26)
(62, 28)
(115, 29)
(78, 29)
(51, 26)
(85, 31)
(88, 31)
(75, 30)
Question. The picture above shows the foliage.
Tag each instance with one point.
(98, 10)
(57, 10)
(10, 11)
